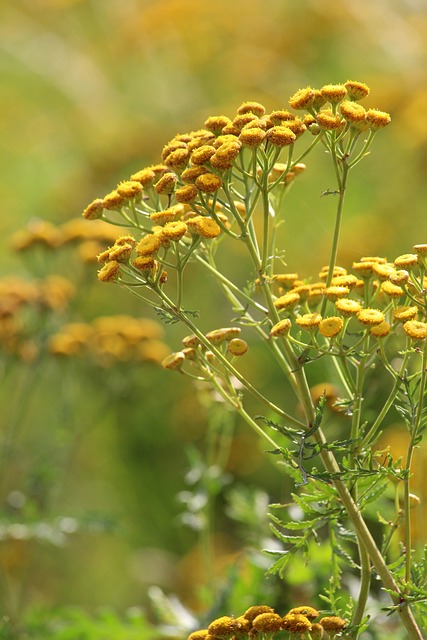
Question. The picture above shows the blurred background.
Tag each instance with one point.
(98, 446)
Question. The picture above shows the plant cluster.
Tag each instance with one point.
(365, 325)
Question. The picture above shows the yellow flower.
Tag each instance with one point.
(281, 328)
(380, 330)
(415, 330)
(189, 175)
(354, 113)
(174, 361)
(144, 263)
(110, 272)
(377, 119)
(333, 93)
(94, 210)
(256, 610)
(392, 290)
(166, 184)
(420, 249)
(112, 200)
(288, 300)
(338, 271)
(174, 230)
(406, 260)
(330, 327)
(333, 623)
(402, 314)
(348, 307)
(121, 252)
(383, 271)
(286, 280)
(208, 228)
(217, 336)
(145, 177)
(370, 316)
(216, 123)
(356, 90)
(344, 281)
(302, 99)
(252, 137)
(162, 217)
(308, 612)
(309, 321)
(237, 347)
(198, 635)
(280, 136)
(149, 245)
(252, 107)
(208, 183)
(178, 159)
(202, 154)
(129, 188)
(225, 154)
(267, 623)
(186, 194)
(328, 120)
(222, 627)
(334, 293)
(296, 623)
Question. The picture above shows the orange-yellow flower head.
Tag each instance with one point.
(302, 99)
(380, 330)
(331, 327)
(237, 347)
(110, 272)
(348, 307)
(415, 330)
(329, 120)
(288, 300)
(377, 119)
(280, 136)
(281, 328)
(166, 184)
(370, 317)
(308, 612)
(267, 623)
(129, 188)
(217, 123)
(334, 93)
(174, 230)
(296, 623)
(309, 321)
(149, 245)
(208, 183)
(256, 610)
(252, 137)
(333, 623)
(356, 90)
(252, 107)
(94, 210)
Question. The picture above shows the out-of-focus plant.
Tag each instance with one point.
(221, 189)
(49, 354)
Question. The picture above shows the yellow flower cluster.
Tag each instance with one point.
(196, 351)
(322, 104)
(262, 619)
(381, 296)
(109, 339)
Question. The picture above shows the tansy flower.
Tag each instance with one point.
(166, 184)
(149, 245)
(174, 230)
(217, 336)
(198, 635)
(225, 155)
(281, 328)
(178, 159)
(334, 293)
(308, 612)
(405, 313)
(237, 347)
(110, 272)
(420, 249)
(129, 188)
(144, 264)
(333, 623)
(328, 120)
(252, 107)
(112, 200)
(391, 290)
(330, 327)
(94, 210)
(344, 281)
(208, 183)
(173, 145)
(309, 321)
(145, 177)
(370, 316)
(415, 330)
(316, 632)
(186, 194)
(401, 276)
(216, 123)
(383, 271)
(252, 137)
(333, 93)
(189, 175)
(202, 154)
(406, 260)
(380, 330)
(302, 99)
(286, 280)
(338, 271)
(162, 217)
(288, 300)
(280, 136)
(267, 623)
(348, 307)
(256, 610)
(353, 112)
(296, 623)
(121, 252)
(174, 361)
(222, 627)
(377, 119)
(356, 90)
